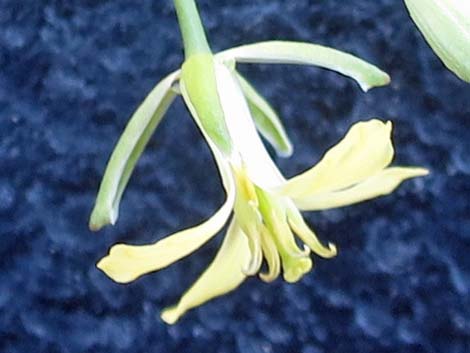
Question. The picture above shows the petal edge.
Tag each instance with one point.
(223, 275)
(379, 185)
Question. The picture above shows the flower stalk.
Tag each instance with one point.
(192, 30)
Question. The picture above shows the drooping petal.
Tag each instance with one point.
(266, 119)
(224, 274)
(383, 183)
(285, 52)
(446, 26)
(126, 263)
(364, 151)
(128, 150)
(259, 165)
(307, 235)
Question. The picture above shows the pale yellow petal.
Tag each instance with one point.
(126, 263)
(364, 151)
(380, 184)
(246, 140)
(224, 274)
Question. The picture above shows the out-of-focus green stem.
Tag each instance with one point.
(192, 30)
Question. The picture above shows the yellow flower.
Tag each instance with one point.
(261, 207)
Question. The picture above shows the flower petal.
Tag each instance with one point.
(266, 119)
(446, 26)
(246, 141)
(126, 263)
(380, 184)
(128, 150)
(224, 274)
(364, 151)
(285, 52)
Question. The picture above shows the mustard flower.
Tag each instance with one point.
(262, 209)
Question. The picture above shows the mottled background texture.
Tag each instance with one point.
(72, 72)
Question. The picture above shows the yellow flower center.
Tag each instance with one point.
(269, 221)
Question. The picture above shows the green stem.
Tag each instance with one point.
(192, 30)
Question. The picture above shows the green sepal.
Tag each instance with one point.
(130, 146)
(200, 92)
(446, 26)
(266, 119)
(285, 52)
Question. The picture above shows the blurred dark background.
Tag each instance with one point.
(72, 72)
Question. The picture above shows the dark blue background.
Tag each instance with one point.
(72, 72)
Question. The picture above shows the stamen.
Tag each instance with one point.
(245, 187)
(254, 243)
(271, 255)
(295, 261)
(248, 218)
(304, 232)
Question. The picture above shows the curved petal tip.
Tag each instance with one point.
(170, 315)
